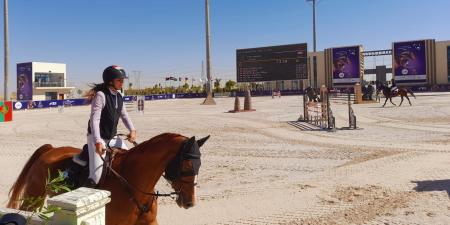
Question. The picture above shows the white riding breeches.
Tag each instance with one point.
(95, 162)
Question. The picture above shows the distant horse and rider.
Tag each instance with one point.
(312, 94)
(394, 91)
(389, 92)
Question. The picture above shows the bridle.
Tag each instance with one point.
(132, 189)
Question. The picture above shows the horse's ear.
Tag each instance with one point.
(203, 140)
(191, 141)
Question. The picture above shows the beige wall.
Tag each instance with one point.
(441, 62)
(39, 94)
(43, 67)
(320, 68)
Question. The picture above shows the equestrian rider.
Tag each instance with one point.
(106, 109)
(393, 86)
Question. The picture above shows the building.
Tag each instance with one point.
(436, 63)
(443, 62)
(42, 81)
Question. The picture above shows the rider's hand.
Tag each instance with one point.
(132, 136)
(99, 148)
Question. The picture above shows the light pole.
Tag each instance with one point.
(209, 98)
(314, 23)
(6, 66)
(314, 58)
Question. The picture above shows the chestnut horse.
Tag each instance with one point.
(136, 172)
(388, 94)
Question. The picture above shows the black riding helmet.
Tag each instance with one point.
(113, 72)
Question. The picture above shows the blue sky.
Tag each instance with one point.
(166, 37)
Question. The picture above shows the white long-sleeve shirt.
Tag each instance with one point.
(97, 105)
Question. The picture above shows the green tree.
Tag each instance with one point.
(230, 85)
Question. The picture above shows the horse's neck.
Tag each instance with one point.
(144, 167)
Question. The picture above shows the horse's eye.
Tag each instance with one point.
(187, 165)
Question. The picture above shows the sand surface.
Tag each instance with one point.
(259, 169)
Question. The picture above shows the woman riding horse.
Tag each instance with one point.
(106, 109)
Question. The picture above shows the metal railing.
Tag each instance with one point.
(49, 84)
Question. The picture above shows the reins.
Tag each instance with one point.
(143, 208)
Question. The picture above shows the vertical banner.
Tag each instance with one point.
(347, 63)
(410, 62)
(6, 110)
(141, 102)
(24, 81)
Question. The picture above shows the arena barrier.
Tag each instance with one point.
(80, 206)
(22, 105)
(319, 113)
(351, 113)
(276, 94)
(345, 97)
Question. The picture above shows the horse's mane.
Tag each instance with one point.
(164, 137)
(142, 147)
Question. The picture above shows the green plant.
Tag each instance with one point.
(37, 204)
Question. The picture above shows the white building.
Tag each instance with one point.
(42, 81)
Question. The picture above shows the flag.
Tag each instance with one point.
(6, 111)
(185, 79)
(167, 78)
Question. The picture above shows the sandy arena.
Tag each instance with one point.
(258, 169)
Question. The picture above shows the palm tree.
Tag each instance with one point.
(217, 84)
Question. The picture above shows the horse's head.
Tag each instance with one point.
(183, 170)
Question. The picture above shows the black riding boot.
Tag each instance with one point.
(90, 183)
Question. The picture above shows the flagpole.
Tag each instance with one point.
(6, 48)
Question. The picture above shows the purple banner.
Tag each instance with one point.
(129, 98)
(19, 105)
(346, 65)
(24, 81)
(410, 62)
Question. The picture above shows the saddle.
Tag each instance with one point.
(77, 169)
(394, 89)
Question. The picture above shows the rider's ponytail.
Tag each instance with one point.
(90, 95)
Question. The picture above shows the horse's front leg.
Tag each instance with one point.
(385, 102)
(390, 99)
(401, 101)
(408, 100)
